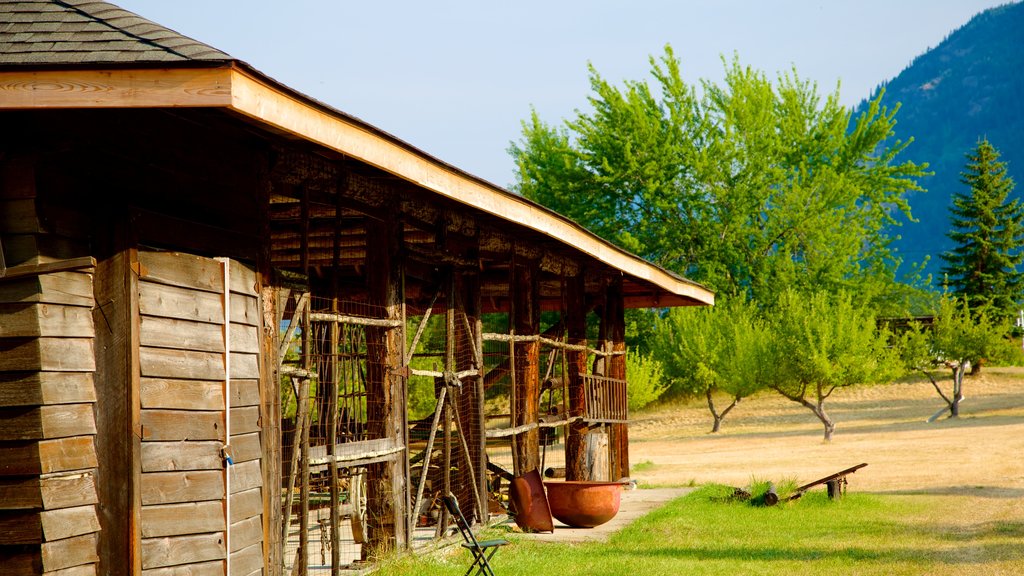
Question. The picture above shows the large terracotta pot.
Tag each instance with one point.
(582, 504)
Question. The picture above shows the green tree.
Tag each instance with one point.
(988, 229)
(646, 380)
(958, 339)
(825, 342)
(747, 186)
(713, 351)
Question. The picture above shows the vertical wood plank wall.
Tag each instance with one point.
(183, 419)
(48, 515)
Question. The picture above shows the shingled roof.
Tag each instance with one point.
(87, 32)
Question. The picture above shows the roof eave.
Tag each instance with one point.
(239, 88)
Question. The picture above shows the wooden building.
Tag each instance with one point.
(216, 294)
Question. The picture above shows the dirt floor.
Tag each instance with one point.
(980, 454)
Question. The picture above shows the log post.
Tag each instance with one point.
(576, 325)
(386, 483)
(471, 406)
(525, 321)
(616, 335)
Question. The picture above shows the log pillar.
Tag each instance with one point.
(576, 326)
(387, 495)
(525, 320)
(614, 316)
(471, 398)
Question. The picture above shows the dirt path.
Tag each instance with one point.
(767, 437)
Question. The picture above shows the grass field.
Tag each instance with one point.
(936, 499)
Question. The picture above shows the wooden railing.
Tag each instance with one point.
(605, 400)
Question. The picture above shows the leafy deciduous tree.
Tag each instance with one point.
(713, 350)
(825, 342)
(748, 186)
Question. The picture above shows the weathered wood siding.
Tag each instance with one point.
(185, 386)
(48, 497)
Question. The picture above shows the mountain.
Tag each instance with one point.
(969, 87)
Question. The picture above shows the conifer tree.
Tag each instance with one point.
(988, 228)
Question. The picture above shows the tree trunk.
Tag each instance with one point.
(717, 425)
(958, 390)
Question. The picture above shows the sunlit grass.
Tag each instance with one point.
(706, 532)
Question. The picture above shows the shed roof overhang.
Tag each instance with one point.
(237, 88)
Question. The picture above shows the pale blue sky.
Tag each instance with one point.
(456, 78)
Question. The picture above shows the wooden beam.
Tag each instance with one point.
(616, 337)
(576, 325)
(125, 88)
(388, 493)
(525, 320)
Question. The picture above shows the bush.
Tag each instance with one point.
(646, 380)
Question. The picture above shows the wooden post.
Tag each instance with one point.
(473, 417)
(526, 320)
(118, 409)
(576, 325)
(302, 436)
(270, 387)
(387, 488)
(616, 335)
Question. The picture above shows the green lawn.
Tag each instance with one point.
(702, 534)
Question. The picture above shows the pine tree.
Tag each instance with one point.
(985, 266)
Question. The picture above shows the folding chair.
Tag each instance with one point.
(483, 550)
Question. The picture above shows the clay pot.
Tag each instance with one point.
(583, 504)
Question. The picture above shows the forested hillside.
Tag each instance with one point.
(970, 86)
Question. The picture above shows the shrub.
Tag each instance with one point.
(646, 380)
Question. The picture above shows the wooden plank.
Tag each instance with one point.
(31, 249)
(181, 394)
(178, 456)
(187, 486)
(181, 519)
(166, 363)
(41, 422)
(126, 88)
(19, 216)
(23, 270)
(245, 447)
(245, 420)
(244, 310)
(243, 279)
(160, 425)
(37, 388)
(47, 456)
(181, 334)
(34, 320)
(68, 490)
(20, 493)
(245, 338)
(21, 561)
(246, 532)
(245, 393)
(83, 570)
(70, 288)
(68, 522)
(182, 270)
(246, 476)
(182, 303)
(247, 560)
(176, 550)
(69, 552)
(246, 504)
(245, 366)
(215, 568)
(47, 354)
(20, 527)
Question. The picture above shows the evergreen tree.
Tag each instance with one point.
(988, 230)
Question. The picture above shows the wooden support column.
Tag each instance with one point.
(616, 366)
(576, 325)
(118, 408)
(526, 321)
(270, 396)
(387, 496)
(474, 417)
